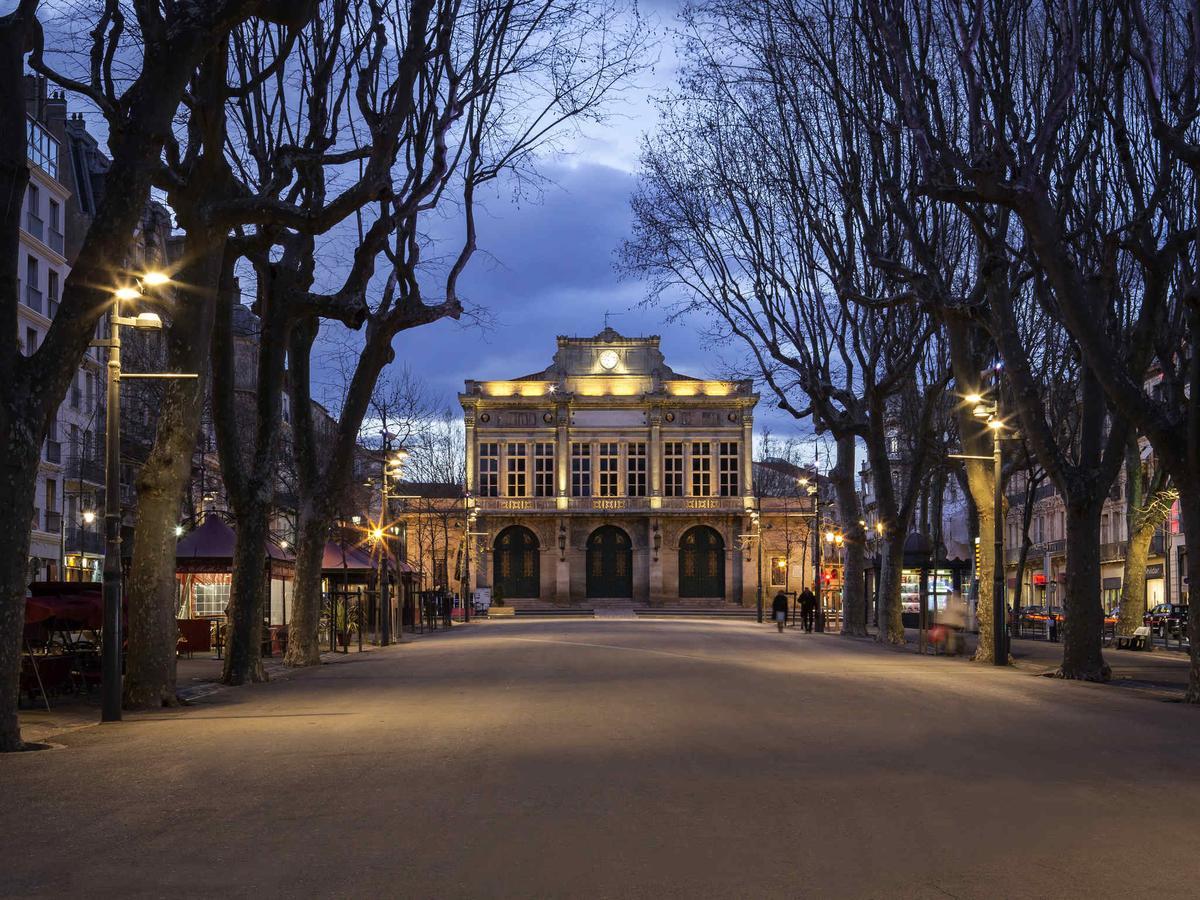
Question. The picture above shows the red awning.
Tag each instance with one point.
(209, 548)
(342, 558)
(84, 609)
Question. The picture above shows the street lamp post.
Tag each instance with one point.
(110, 710)
(815, 492)
(995, 423)
(999, 629)
(393, 467)
(466, 557)
(758, 528)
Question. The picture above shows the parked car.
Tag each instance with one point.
(1167, 619)
(1032, 616)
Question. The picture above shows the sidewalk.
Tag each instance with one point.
(195, 678)
(1159, 671)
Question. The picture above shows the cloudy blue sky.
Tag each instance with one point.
(545, 264)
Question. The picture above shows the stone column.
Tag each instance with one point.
(655, 450)
(469, 446)
(562, 451)
(747, 453)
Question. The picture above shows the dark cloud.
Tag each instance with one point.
(545, 268)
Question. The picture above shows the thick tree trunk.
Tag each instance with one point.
(1083, 658)
(152, 630)
(891, 623)
(247, 598)
(162, 481)
(20, 428)
(985, 573)
(854, 601)
(1133, 581)
(1189, 508)
(303, 641)
(18, 479)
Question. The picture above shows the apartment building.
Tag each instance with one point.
(65, 540)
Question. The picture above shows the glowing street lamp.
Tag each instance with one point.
(146, 321)
(990, 411)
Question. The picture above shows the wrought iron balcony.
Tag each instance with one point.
(82, 468)
(85, 540)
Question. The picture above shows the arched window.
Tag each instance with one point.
(515, 570)
(609, 563)
(701, 563)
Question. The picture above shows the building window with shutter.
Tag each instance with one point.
(635, 469)
(543, 470)
(728, 468)
(581, 470)
(673, 469)
(515, 466)
(609, 460)
(489, 469)
(701, 469)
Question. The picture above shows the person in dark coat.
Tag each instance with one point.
(779, 609)
(808, 609)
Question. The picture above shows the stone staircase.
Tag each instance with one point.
(624, 608)
(613, 607)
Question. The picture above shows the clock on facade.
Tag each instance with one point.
(609, 359)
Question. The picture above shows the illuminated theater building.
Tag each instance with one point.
(609, 477)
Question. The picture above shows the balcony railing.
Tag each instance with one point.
(34, 225)
(85, 540)
(504, 504)
(85, 469)
(687, 504)
(54, 451)
(33, 298)
(608, 504)
(54, 238)
(1112, 551)
(53, 521)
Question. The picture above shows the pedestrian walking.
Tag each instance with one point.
(779, 609)
(808, 609)
(952, 619)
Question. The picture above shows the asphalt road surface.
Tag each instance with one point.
(621, 759)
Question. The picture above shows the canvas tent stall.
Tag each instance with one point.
(204, 570)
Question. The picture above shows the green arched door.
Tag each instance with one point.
(701, 563)
(515, 570)
(609, 563)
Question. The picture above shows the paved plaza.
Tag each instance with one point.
(620, 759)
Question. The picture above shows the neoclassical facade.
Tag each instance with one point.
(610, 477)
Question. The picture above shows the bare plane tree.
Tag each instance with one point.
(1019, 116)
(499, 82)
(762, 202)
(141, 58)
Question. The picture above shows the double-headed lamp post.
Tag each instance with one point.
(111, 647)
(990, 411)
(393, 467)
